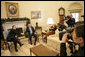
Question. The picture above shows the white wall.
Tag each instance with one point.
(49, 9)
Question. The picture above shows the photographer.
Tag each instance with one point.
(70, 21)
(78, 38)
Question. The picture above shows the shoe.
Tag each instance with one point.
(31, 43)
(34, 43)
(21, 45)
(16, 50)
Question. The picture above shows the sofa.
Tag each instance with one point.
(54, 42)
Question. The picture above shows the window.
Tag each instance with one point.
(76, 16)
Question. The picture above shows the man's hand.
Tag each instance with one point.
(64, 38)
(73, 49)
(16, 36)
(22, 33)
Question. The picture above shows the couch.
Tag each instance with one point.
(54, 42)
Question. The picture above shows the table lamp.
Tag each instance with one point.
(50, 22)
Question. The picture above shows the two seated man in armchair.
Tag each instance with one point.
(13, 36)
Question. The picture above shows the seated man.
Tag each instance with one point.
(30, 30)
(13, 36)
(53, 28)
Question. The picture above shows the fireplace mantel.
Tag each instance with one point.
(3, 20)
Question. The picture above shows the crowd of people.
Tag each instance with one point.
(75, 32)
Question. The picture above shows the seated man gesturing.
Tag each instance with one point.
(12, 36)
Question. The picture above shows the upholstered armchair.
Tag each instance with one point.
(38, 31)
(54, 42)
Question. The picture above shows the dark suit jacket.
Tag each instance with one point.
(71, 22)
(11, 34)
(28, 30)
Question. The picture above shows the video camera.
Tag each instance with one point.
(69, 30)
(69, 36)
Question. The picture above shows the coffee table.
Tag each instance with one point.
(42, 50)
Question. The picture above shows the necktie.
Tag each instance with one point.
(30, 30)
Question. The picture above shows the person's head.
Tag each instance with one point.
(68, 17)
(13, 27)
(58, 25)
(71, 16)
(78, 34)
(29, 25)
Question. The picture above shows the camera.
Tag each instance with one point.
(69, 30)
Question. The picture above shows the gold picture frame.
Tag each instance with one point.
(12, 9)
(35, 14)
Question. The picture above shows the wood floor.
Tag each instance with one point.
(25, 49)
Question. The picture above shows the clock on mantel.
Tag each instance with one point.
(61, 12)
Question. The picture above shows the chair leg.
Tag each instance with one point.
(38, 39)
(9, 47)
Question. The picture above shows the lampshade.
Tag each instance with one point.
(50, 21)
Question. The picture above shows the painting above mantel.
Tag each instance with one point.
(12, 9)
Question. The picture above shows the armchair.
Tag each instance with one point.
(38, 31)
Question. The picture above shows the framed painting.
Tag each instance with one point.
(12, 9)
(35, 14)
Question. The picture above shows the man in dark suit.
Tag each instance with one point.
(13, 36)
(53, 28)
(31, 31)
